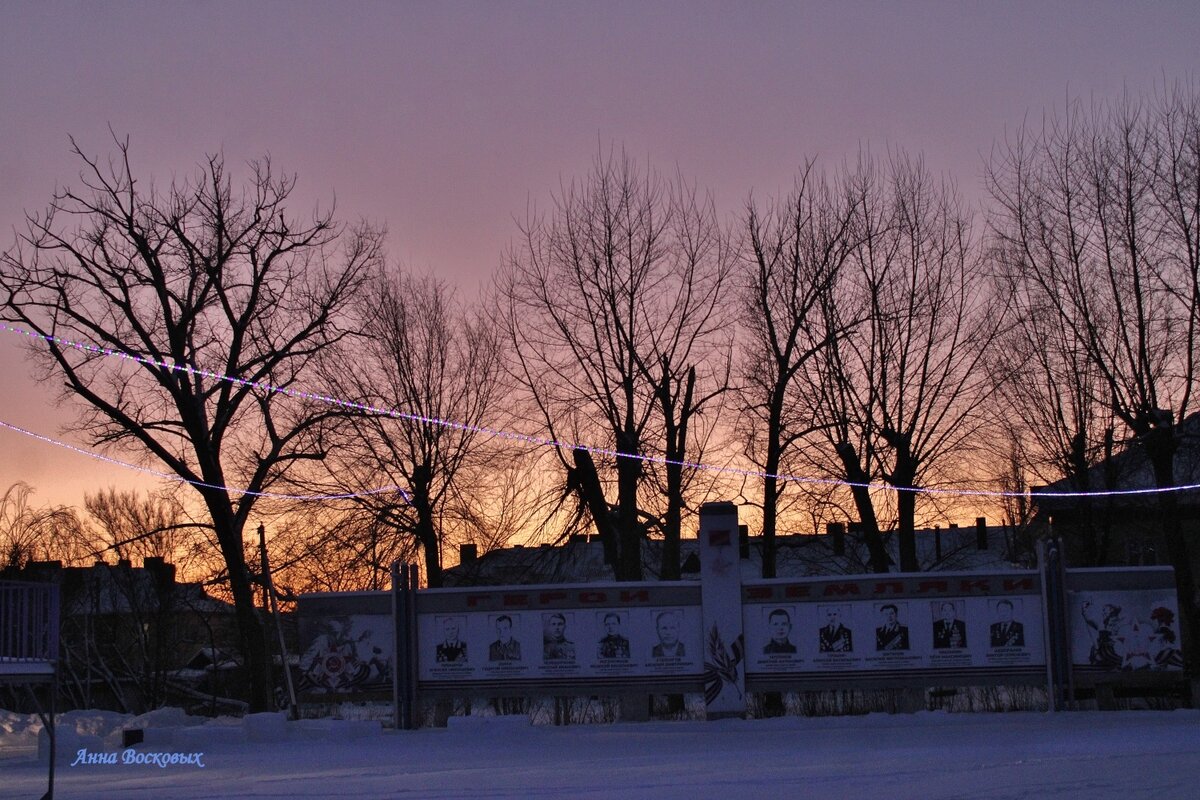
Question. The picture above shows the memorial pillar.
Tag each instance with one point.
(721, 600)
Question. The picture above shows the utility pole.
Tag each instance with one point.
(273, 609)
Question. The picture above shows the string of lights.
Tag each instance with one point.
(537, 441)
(200, 484)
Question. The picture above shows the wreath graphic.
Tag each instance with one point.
(721, 665)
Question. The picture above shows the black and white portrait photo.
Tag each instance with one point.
(667, 625)
(451, 649)
(890, 636)
(1006, 631)
(834, 636)
(555, 644)
(949, 632)
(505, 648)
(779, 626)
(614, 644)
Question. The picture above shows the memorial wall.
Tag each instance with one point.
(723, 636)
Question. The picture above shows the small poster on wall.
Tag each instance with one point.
(345, 654)
(1125, 630)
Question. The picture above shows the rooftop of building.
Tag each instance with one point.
(581, 559)
(121, 588)
(1130, 469)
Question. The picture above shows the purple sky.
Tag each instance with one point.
(442, 120)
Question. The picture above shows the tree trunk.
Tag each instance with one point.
(586, 482)
(1160, 444)
(433, 564)
(1105, 526)
(880, 561)
(906, 512)
(906, 508)
(676, 449)
(1095, 549)
(426, 530)
(771, 484)
(672, 524)
(629, 470)
(903, 477)
(252, 639)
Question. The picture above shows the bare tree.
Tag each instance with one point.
(33, 533)
(1050, 401)
(192, 282)
(689, 361)
(612, 312)
(1099, 216)
(795, 251)
(437, 363)
(515, 501)
(153, 525)
(335, 548)
(898, 397)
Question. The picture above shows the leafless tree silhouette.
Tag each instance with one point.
(194, 281)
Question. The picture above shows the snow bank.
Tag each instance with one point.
(923, 756)
(170, 728)
(489, 725)
(12, 724)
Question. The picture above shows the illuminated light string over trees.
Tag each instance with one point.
(199, 484)
(507, 435)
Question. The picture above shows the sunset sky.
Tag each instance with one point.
(442, 121)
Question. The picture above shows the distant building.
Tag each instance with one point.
(1122, 529)
(838, 551)
(127, 634)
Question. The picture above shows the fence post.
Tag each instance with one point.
(404, 671)
(410, 624)
(1057, 626)
(399, 657)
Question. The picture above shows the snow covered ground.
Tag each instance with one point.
(1081, 755)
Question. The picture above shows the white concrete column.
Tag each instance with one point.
(721, 597)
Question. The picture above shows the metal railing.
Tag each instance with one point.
(28, 622)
